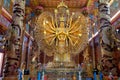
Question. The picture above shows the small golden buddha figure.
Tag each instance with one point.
(74, 77)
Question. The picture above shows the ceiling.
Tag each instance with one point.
(50, 5)
(73, 5)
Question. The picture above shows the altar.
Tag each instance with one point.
(60, 74)
(62, 36)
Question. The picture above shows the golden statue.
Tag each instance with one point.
(62, 34)
(74, 77)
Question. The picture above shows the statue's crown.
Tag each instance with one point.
(62, 4)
